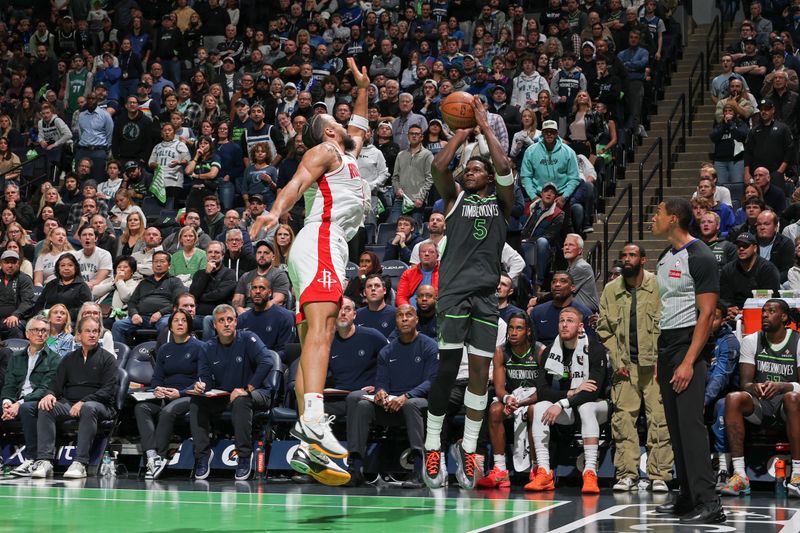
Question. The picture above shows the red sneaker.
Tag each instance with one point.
(495, 479)
(590, 483)
(543, 480)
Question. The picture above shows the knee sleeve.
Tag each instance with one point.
(439, 395)
(474, 401)
(591, 417)
(539, 429)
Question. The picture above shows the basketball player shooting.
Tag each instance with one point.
(317, 267)
(467, 314)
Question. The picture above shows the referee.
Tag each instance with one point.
(688, 280)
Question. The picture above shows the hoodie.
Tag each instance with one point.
(541, 166)
(526, 87)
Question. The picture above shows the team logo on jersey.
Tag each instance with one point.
(188, 355)
(239, 359)
(676, 271)
(418, 359)
(353, 171)
(269, 328)
(327, 280)
(362, 353)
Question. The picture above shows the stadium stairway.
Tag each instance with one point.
(687, 161)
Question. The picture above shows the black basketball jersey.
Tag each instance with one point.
(521, 370)
(476, 233)
(777, 365)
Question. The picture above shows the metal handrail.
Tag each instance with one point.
(672, 153)
(25, 184)
(713, 42)
(658, 145)
(595, 258)
(626, 222)
(696, 83)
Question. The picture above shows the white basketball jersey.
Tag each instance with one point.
(339, 198)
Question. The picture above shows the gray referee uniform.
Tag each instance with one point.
(682, 275)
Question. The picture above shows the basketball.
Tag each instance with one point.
(457, 110)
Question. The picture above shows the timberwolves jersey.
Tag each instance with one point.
(521, 370)
(777, 365)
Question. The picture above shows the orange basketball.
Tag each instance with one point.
(457, 110)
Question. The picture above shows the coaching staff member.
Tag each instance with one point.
(688, 280)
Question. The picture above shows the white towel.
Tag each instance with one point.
(520, 444)
(579, 366)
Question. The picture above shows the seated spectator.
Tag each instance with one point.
(124, 206)
(67, 288)
(245, 366)
(368, 263)
(190, 219)
(213, 219)
(559, 398)
(189, 259)
(561, 170)
(793, 281)
(78, 390)
(774, 196)
(706, 189)
(724, 251)
(132, 239)
(27, 379)
(728, 136)
(542, 233)
(255, 208)
(16, 296)
(751, 190)
(544, 316)
(260, 178)
(151, 302)
(107, 190)
(185, 302)
(106, 237)
(16, 233)
(23, 212)
(791, 216)
(144, 257)
(436, 235)
(424, 273)
(212, 286)
(274, 324)
(516, 369)
(377, 314)
(121, 286)
(93, 310)
(779, 70)
(750, 271)
(202, 171)
(233, 220)
(404, 241)
(60, 340)
(172, 378)
(582, 274)
(280, 287)
(52, 199)
(426, 311)
(96, 264)
(404, 373)
(768, 378)
(354, 357)
(80, 214)
(700, 206)
(284, 237)
(505, 291)
(774, 246)
(738, 99)
(752, 208)
(236, 257)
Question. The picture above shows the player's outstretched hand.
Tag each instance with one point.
(266, 221)
(359, 76)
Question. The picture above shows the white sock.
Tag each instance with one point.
(472, 429)
(433, 432)
(542, 453)
(723, 463)
(795, 467)
(500, 461)
(590, 457)
(151, 454)
(314, 406)
(738, 466)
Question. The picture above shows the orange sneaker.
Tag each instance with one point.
(590, 483)
(495, 479)
(543, 480)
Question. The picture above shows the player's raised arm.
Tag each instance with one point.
(316, 161)
(358, 126)
(503, 177)
(440, 168)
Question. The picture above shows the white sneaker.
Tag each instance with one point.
(318, 435)
(659, 485)
(155, 465)
(626, 484)
(75, 471)
(42, 469)
(25, 469)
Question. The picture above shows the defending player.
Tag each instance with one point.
(317, 267)
(469, 272)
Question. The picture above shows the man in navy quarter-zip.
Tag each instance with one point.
(273, 323)
(238, 363)
(406, 368)
(377, 313)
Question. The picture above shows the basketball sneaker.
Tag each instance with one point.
(736, 486)
(310, 461)
(722, 479)
(467, 469)
(590, 483)
(496, 479)
(318, 435)
(543, 480)
(793, 485)
(434, 472)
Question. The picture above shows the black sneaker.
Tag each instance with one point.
(705, 514)
(202, 465)
(244, 466)
(356, 477)
(722, 480)
(677, 507)
(467, 469)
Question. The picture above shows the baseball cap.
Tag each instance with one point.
(102, 84)
(499, 88)
(263, 243)
(749, 40)
(590, 44)
(432, 82)
(131, 165)
(323, 105)
(256, 198)
(387, 124)
(10, 254)
(89, 183)
(229, 59)
(549, 185)
(144, 84)
(549, 125)
(274, 37)
(766, 102)
(746, 238)
(290, 85)
(242, 101)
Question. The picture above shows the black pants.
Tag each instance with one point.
(684, 413)
(412, 414)
(155, 436)
(91, 414)
(201, 409)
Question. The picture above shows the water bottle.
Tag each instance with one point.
(780, 477)
(107, 467)
(261, 461)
